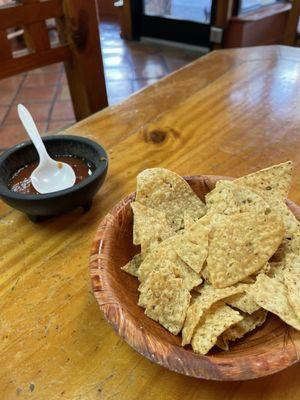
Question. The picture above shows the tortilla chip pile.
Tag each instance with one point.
(213, 271)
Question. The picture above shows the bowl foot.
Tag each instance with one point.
(87, 206)
(37, 218)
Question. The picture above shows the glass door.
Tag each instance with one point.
(186, 21)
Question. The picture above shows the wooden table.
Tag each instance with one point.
(229, 113)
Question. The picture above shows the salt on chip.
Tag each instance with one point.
(240, 245)
(166, 300)
(165, 257)
(207, 297)
(272, 295)
(166, 191)
(133, 265)
(192, 246)
(215, 321)
(241, 328)
(150, 226)
(292, 283)
(227, 198)
(272, 182)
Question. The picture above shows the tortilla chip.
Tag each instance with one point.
(192, 246)
(238, 330)
(272, 182)
(133, 265)
(205, 273)
(150, 226)
(163, 190)
(208, 296)
(164, 256)
(289, 245)
(292, 283)
(166, 300)
(228, 198)
(290, 263)
(243, 302)
(215, 321)
(240, 245)
(290, 222)
(272, 295)
(188, 220)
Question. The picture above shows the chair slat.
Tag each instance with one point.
(32, 61)
(25, 14)
(5, 49)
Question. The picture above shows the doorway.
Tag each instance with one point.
(186, 21)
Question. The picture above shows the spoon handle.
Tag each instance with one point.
(33, 132)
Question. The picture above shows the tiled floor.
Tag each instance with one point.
(129, 66)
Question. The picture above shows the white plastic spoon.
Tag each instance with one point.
(50, 175)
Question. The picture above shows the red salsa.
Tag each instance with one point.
(20, 181)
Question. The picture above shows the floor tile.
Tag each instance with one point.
(10, 83)
(60, 125)
(118, 74)
(48, 79)
(62, 110)
(116, 61)
(39, 111)
(3, 111)
(35, 94)
(113, 51)
(12, 134)
(63, 93)
(119, 88)
(48, 69)
(7, 96)
(150, 68)
(141, 83)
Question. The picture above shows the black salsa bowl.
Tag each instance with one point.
(42, 206)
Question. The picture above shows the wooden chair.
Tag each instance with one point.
(77, 45)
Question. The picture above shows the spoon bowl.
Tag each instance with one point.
(50, 175)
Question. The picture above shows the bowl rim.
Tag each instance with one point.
(5, 191)
(219, 369)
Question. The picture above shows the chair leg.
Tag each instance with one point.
(85, 73)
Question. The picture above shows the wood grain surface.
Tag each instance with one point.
(267, 350)
(230, 113)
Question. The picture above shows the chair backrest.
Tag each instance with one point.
(77, 45)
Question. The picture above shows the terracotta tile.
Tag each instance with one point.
(141, 83)
(116, 100)
(35, 94)
(7, 96)
(118, 89)
(12, 134)
(63, 79)
(11, 83)
(48, 79)
(3, 111)
(39, 111)
(60, 125)
(119, 51)
(174, 64)
(118, 74)
(150, 69)
(63, 93)
(48, 69)
(62, 110)
(116, 61)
